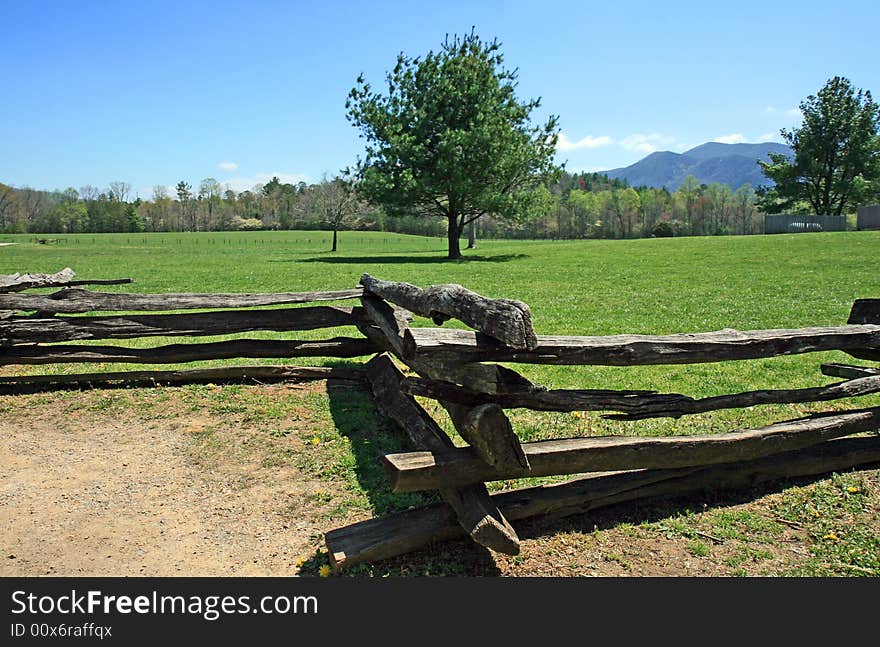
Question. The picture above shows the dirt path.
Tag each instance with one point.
(100, 495)
(245, 481)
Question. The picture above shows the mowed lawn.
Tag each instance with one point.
(593, 287)
(653, 286)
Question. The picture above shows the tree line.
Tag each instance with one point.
(327, 204)
(587, 205)
(591, 205)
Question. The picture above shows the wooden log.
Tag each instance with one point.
(458, 346)
(637, 404)
(396, 534)
(222, 375)
(497, 442)
(18, 282)
(179, 353)
(389, 330)
(536, 398)
(845, 370)
(390, 324)
(507, 320)
(865, 311)
(74, 300)
(421, 429)
(24, 330)
(425, 470)
(472, 505)
(488, 431)
(490, 378)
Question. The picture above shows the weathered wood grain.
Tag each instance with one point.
(390, 324)
(489, 378)
(534, 397)
(18, 282)
(845, 370)
(389, 536)
(487, 429)
(637, 404)
(74, 300)
(441, 345)
(174, 353)
(28, 330)
(495, 443)
(472, 505)
(415, 422)
(425, 470)
(221, 375)
(507, 320)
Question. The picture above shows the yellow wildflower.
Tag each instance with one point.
(577, 414)
(852, 489)
(300, 561)
(831, 536)
(315, 440)
(325, 571)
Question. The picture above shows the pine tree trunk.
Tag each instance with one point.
(453, 234)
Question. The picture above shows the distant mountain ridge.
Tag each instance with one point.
(731, 164)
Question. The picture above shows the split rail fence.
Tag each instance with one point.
(460, 370)
(58, 317)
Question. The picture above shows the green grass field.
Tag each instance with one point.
(652, 286)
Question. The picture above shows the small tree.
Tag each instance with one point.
(450, 139)
(334, 202)
(836, 153)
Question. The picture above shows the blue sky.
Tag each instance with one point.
(156, 92)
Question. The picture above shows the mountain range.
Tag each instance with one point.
(731, 164)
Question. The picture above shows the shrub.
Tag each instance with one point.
(662, 230)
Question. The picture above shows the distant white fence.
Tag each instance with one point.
(869, 217)
(797, 223)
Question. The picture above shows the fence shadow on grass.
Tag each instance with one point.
(371, 436)
(462, 557)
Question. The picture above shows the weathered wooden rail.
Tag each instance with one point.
(455, 367)
(37, 328)
(458, 369)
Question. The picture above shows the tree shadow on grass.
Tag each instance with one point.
(418, 260)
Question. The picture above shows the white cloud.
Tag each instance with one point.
(241, 183)
(565, 144)
(770, 109)
(647, 143)
(770, 137)
(228, 166)
(794, 112)
(733, 138)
